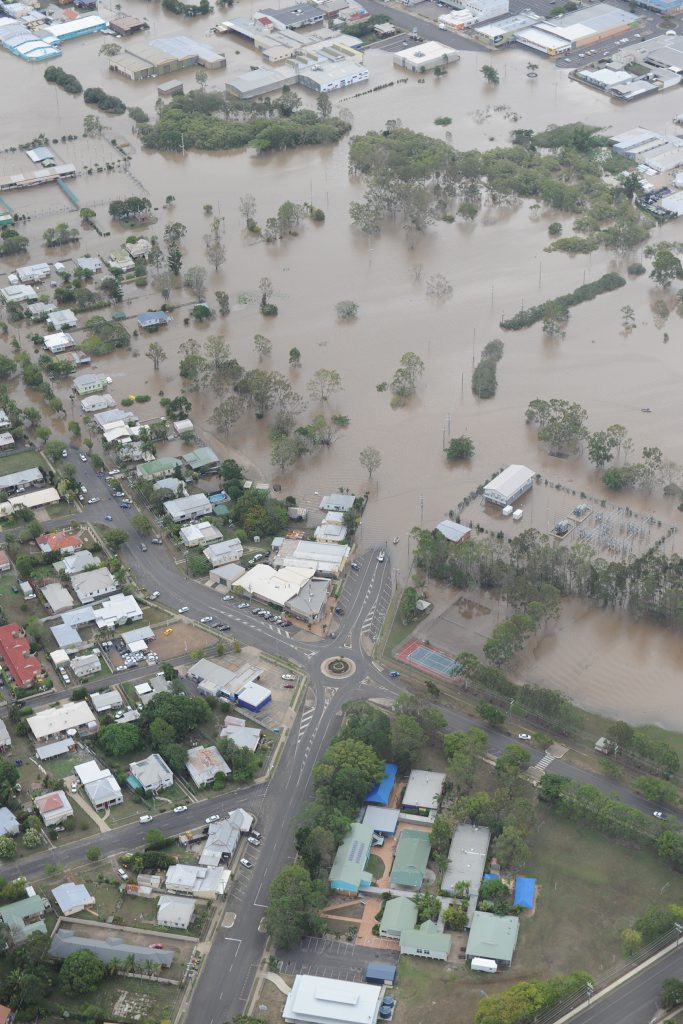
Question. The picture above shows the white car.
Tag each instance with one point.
(206, 618)
(181, 611)
(65, 454)
(180, 809)
(229, 597)
(243, 604)
(82, 457)
(212, 818)
(246, 863)
(154, 595)
(289, 677)
(93, 501)
(380, 556)
(658, 814)
(144, 818)
(524, 736)
(253, 840)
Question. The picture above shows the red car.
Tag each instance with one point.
(156, 945)
(288, 686)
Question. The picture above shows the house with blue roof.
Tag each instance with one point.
(381, 793)
(348, 873)
(154, 318)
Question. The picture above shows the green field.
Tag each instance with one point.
(21, 460)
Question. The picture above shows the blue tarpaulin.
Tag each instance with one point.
(380, 793)
(524, 892)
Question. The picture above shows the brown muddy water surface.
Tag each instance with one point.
(495, 265)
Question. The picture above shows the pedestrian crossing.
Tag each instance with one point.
(539, 769)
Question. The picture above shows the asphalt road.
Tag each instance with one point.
(635, 1002)
(227, 975)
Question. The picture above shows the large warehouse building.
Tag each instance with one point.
(509, 485)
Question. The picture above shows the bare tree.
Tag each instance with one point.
(195, 280)
(324, 383)
(247, 206)
(156, 353)
(370, 459)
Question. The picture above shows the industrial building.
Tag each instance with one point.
(19, 40)
(509, 485)
(426, 56)
(585, 27)
(502, 33)
(473, 12)
(292, 17)
(253, 697)
(330, 75)
(164, 56)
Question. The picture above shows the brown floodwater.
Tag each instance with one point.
(495, 266)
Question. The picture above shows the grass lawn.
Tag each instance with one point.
(14, 606)
(127, 999)
(21, 460)
(60, 767)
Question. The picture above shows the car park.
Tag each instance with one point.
(180, 808)
(246, 863)
(253, 840)
(144, 818)
(212, 818)
(185, 608)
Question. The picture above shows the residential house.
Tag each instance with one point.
(23, 918)
(223, 837)
(100, 786)
(175, 912)
(59, 541)
(383, 820)
(201, 460)
(423, 792)
(170, 483)
(85, 665)
(158, 468)
(332, 529)
(65, 719)
(193, 880)
(204, 764)
(185, 426)
(224, 552)
(314, 1000)
(72, 898)
(337, 502)
(150, 775)
(22, 479)
(15, 653)
(78, 562)
(92, 263)
(62, 319)
(6, 441)
(57, 749)
(181, 510)
(109, 947)
(59, 342)
(410, 859)
(120, 260)
(18, 293)
(139, 249)
(5, 563)
(96, 403)
(5, 738)
(196, 535)
(348, 873)
(88, 586)
(6, 1014)
(427, 941)
(493, 937)
(241, 734)
(57, 597)
(9, 826)
(54, 807)
(90, 383)
(400, 914)
(106, 700)
(154, 318)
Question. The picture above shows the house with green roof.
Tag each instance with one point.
(348, 873)
(158, 468)
(201, 459)
(400, 914)
(23, 918)
(410, 859)
(492, 937)
(426, 941)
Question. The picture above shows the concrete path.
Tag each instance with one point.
(278, 982)
(91, 812)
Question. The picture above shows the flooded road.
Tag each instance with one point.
(495, 266)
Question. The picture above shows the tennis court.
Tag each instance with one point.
(428, 659)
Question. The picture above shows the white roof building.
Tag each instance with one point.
(152, 773)
(57, 597)
(241, 735)
(117, 610)
(315, 1000)
(182, 509)
(59, 342)
(85, 665)
(321, 559)
(197, 534)
(78, 562)
(72, 898)
(509, 485)
(224, 552)
(337, 502)
(106, 700)
(104, 792)
(53, 722)
(423, 790)
(275, 586)
(332, 529)
(96, 403)
(62, 318)
(454, 532)
(175, 912)
(94, 583)
(204, 764)
(193, 880)
(183, 426)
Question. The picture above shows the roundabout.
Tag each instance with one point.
(338, 667)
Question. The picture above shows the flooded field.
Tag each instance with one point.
(496, 265)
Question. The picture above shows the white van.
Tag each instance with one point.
(482, 963)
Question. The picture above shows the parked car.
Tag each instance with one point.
(206, 618)
(82, 457)
(93, 501)
(108, 519)
(212, 818)
(288, 686)
(144, 818)
(658, 814)
(524, 736)
(167, 632)
(74, 787)
(156, 945)
(339, 611)
(65, 454)
(185, 608)
(253, 840)
(246, 863)
(289, 676)
(255, 834)
(124, 874)
(394, 674)
(229, 597)
(355, 566)
(243, 604)
(157, 540)
(143, 547)
(180, 808)
(119, 714)
(154, 595)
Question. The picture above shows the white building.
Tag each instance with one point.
(320, 559)
(88, 586)
(57, 597)
(62, 319)
(71, 718)
(241, 734)
(175, 912)
(78, 562)
(56, 343)
(151, 774)
(72, 898)
(96, 403)
(426, 56)
(509, 485)
(332, 529)
(193, 880)
(85, 665)
(100, 786)
(197, 535)
(106, 700)
(224, 552)
(117, 611)
(330, 75)
(423, 791)
(181, 510)
(314, 1000)
(53, 807)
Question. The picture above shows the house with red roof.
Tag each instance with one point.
(65, 543)
(15, 652)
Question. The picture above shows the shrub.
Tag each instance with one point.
(635, 269)
(269, 309)
(554, 229)
(527, 317)
(58, 76)
(103, 101)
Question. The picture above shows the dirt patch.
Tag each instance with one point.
(132, 1006)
